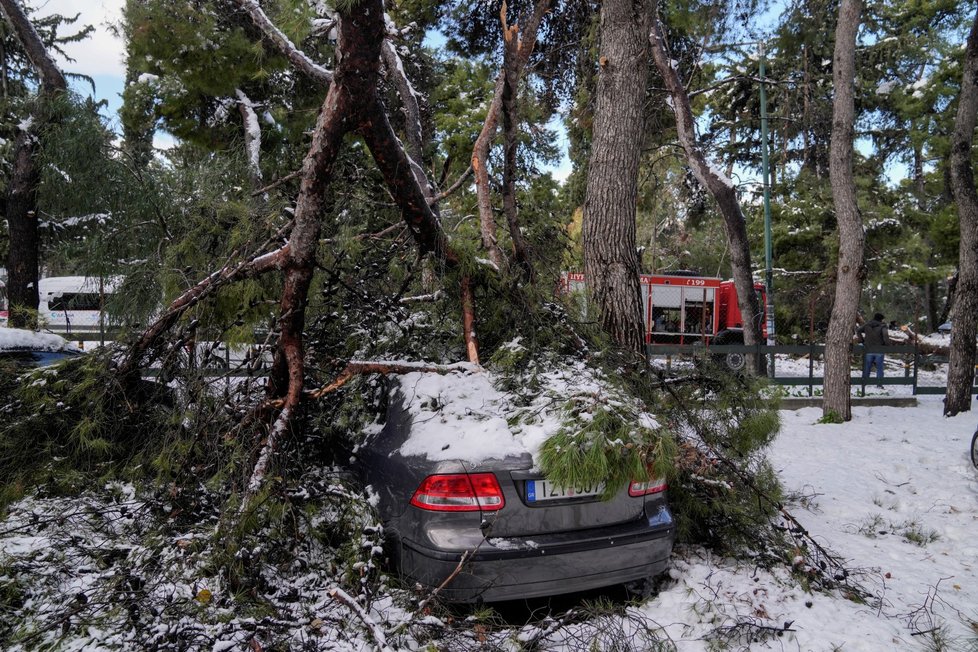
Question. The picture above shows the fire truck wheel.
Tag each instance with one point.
(734, 362)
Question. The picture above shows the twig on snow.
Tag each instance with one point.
(380, 638)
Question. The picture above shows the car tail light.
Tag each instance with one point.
(647, 487)
(459, 492)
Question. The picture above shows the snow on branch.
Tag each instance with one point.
(298, 58)
(409, 96)
(410, 105)
(52, 79)
(252, 133)
(379, 637)
(386, 368)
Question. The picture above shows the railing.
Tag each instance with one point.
(910, 355)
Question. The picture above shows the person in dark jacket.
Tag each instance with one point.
(874, 334)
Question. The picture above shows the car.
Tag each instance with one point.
(26, 348)
(488, 526)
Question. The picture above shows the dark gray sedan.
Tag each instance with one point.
(520, 536)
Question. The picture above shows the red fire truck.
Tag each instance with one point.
(684, 308)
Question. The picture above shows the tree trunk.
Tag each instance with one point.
(952, 287)
(286, 378)
(21, 201)
(610, 256)
(25, 241)
(722, 190)
(964, 315)
(850, 271)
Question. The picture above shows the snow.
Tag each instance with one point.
(457, 416)
(718, 173)
(99, 219)
(894, 493)
(252, 132)
(891, 492)
(15, 338)
(887, 87)
(463, 416)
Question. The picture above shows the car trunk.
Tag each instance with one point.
(534, 507)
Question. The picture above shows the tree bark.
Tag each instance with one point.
(480, 151)
(21, 201)
(412, 116)
(23, 264)
(952, 287)
(964, 315)
(480, 161)
(287, 373)
(722, 190)
(850, 271)
(510, 115)
(610, 257)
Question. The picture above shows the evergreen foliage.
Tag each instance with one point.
(67, 425)
(723, 425)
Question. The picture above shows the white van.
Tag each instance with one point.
(75, 304)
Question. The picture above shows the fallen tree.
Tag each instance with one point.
(352, 105)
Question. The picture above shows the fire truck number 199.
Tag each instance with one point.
(695, 281)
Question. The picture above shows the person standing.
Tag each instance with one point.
(874, 334)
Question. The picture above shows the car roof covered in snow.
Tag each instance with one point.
(16, 339)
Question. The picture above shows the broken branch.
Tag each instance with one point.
(297, 57)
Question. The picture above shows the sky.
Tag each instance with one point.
(100, 56)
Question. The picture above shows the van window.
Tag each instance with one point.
(75, 301)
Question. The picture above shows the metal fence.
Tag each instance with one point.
(911, 358)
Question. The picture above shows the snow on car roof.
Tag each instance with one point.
(16, 339)
(463, 416)
(457, 416)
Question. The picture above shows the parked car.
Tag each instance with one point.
(518, 534)
(26, 348)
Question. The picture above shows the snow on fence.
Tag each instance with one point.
(912, 365)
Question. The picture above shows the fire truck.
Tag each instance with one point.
(683, 308)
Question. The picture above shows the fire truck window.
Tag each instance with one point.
(697, 319)
(665, 320)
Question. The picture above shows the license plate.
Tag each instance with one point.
(541, 490)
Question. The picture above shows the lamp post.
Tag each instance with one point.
(768, 274)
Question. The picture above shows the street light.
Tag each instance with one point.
(768, 275)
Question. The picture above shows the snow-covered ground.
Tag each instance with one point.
(895, 494)
(895, 366)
